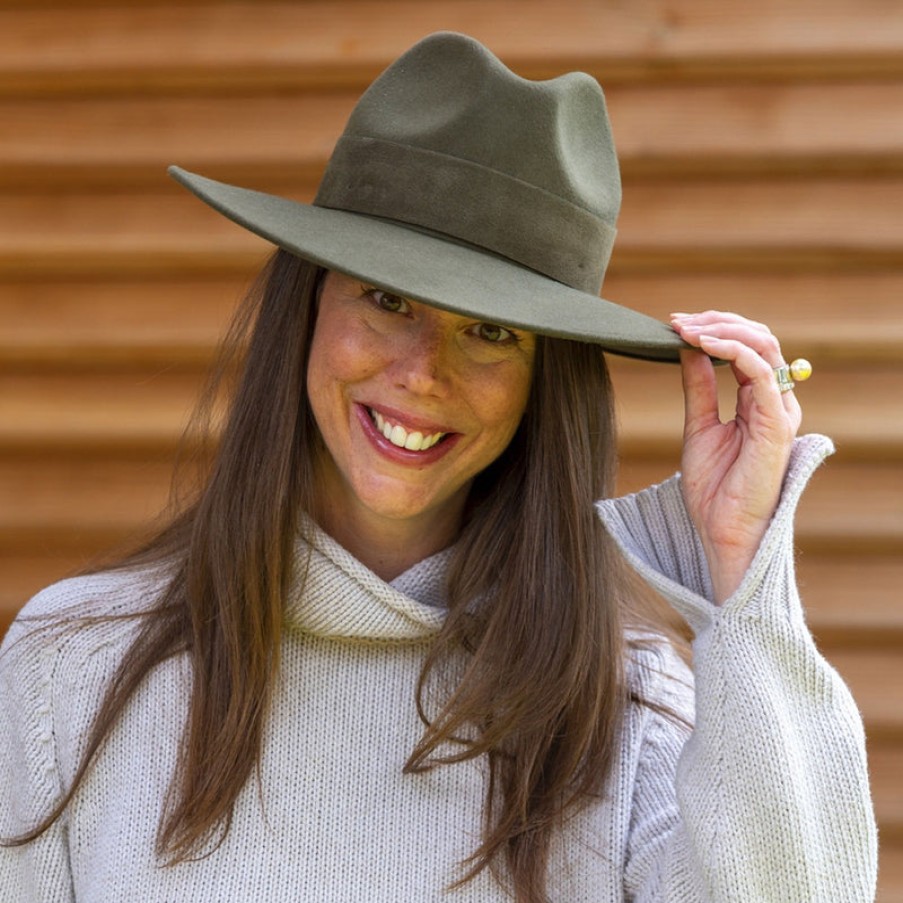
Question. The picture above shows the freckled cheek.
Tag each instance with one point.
(327, 377)
(340, 359)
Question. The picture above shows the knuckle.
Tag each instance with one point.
(772, 345)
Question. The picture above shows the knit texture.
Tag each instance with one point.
(767, 800)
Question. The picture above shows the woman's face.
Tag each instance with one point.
(412, 402)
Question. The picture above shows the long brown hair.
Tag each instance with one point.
(544, 681)
(536, 596)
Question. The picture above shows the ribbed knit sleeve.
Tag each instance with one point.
(55, 663)
(769, 800)
(29, 776)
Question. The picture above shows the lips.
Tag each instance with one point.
(413, 440)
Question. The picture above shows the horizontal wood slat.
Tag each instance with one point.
(52, 501)
(839, 215)
(875, 678)
(219, 46)
(786, 127)
(890, 871)
(852, 599)
(885, 759)
(116, 324)
(133, 411)
(230, 138)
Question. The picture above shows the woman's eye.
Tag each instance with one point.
(387, 301)
(492, 332)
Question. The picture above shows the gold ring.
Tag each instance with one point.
(788, 375)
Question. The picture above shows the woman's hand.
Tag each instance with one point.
(732, 472)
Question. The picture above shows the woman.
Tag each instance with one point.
(391, 651)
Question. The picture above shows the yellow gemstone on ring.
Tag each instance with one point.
(800, 370)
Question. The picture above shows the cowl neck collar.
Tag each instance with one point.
(335, 595)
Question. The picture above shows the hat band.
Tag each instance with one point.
(470, 203)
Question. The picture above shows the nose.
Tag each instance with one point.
(423, 359)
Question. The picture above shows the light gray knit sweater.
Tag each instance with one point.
(767, 800)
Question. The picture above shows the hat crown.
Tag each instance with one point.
(450, 95)
(450, 140)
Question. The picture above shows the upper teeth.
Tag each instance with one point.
(399, 436)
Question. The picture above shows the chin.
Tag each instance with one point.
(398, 500)
(396, 508)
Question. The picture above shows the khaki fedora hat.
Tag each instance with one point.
(460, 184)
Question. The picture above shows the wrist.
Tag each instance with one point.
(728, 565)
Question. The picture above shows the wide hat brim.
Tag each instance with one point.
(436, 270)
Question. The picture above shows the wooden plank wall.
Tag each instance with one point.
(762, 150)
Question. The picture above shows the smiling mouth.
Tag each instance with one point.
(400, 437)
